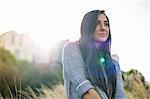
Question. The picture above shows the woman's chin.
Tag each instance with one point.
(101, 40)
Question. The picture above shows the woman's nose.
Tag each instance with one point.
(102, 27)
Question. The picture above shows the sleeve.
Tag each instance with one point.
(120, 92)
(74, 67)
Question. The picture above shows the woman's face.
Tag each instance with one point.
(102, 29)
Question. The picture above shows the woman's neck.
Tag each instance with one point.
(97, 44)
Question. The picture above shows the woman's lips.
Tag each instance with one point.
(102, 34)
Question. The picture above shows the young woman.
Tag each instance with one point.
(89, 70)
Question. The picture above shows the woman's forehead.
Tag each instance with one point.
(102, 17)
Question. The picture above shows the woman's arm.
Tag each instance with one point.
(74, 68)
(91, 94)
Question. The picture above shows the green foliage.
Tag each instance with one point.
(18, 74)
(7, 57)
(8, 72)
(135, 85)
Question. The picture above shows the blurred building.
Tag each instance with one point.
(56, 52)
(21, 45)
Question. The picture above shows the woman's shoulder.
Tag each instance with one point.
(71, 47)
(115, 60)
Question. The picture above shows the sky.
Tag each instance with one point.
(49, 21)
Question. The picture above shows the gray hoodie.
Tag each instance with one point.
(75, 80)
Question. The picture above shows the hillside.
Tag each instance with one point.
(135, 85)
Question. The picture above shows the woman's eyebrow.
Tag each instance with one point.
(100, 21)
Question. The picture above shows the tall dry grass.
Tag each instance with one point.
(137, 91)
(57, 93)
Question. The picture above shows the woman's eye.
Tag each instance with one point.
(106, 24)
(98, 23)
